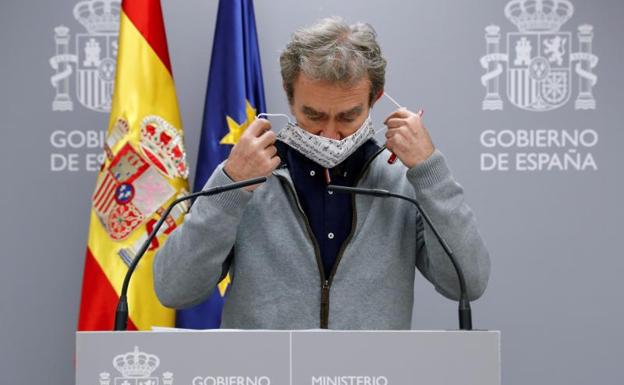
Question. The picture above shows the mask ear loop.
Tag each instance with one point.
(392, 100)
(260, 115)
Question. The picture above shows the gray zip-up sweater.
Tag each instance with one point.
(265, 242)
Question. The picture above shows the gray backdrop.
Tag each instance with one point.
(554, 234)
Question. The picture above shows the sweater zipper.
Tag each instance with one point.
(317, 252)
(326, 282)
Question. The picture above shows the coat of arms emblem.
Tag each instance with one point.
(93, 60)
(539, 58)
(136, 368)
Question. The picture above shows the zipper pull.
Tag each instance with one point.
(325, 305)
(325, 292)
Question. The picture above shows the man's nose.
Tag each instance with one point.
(330, 131)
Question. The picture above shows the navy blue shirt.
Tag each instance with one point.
(330, 214)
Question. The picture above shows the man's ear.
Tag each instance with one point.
(379, 95)
(289, 99)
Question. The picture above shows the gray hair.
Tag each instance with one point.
(334, 51)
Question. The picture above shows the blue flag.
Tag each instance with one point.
(235, 95)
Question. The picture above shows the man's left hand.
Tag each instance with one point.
(408, 138)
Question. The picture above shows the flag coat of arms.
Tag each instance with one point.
(234, 97)
(144, 170)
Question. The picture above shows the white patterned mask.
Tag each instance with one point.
(325, 151)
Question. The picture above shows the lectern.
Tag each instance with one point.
(223, 357)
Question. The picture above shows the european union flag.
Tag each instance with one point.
(235, 95)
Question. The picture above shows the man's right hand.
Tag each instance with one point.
(254, 155)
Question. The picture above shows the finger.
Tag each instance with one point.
(275, 161)
(395, 144)
(398, 131)
(258, 127)
(401, 113)
(417, 117)
(270, 151)
(395, 122)
(266, 139)
(390, 145)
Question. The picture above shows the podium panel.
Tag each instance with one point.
(402, 357)
(288, 358)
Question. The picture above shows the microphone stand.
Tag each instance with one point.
(121, 314)
(465, 313)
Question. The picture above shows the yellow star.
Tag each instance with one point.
(223, 285)
(236, 130)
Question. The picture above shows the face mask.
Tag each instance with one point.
(325, 151)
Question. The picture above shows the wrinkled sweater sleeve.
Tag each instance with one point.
(189, 265)
(443, 199)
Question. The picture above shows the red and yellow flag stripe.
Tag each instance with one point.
(143, 87)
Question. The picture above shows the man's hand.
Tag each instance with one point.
(408, 138)
(254, 155)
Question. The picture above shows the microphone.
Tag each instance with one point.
(465, 313)
(121, 314)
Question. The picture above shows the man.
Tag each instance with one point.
(300, 256)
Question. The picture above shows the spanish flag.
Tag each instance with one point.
(144, 170)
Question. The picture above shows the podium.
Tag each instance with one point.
(288, 357)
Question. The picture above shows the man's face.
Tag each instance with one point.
(331, 110)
